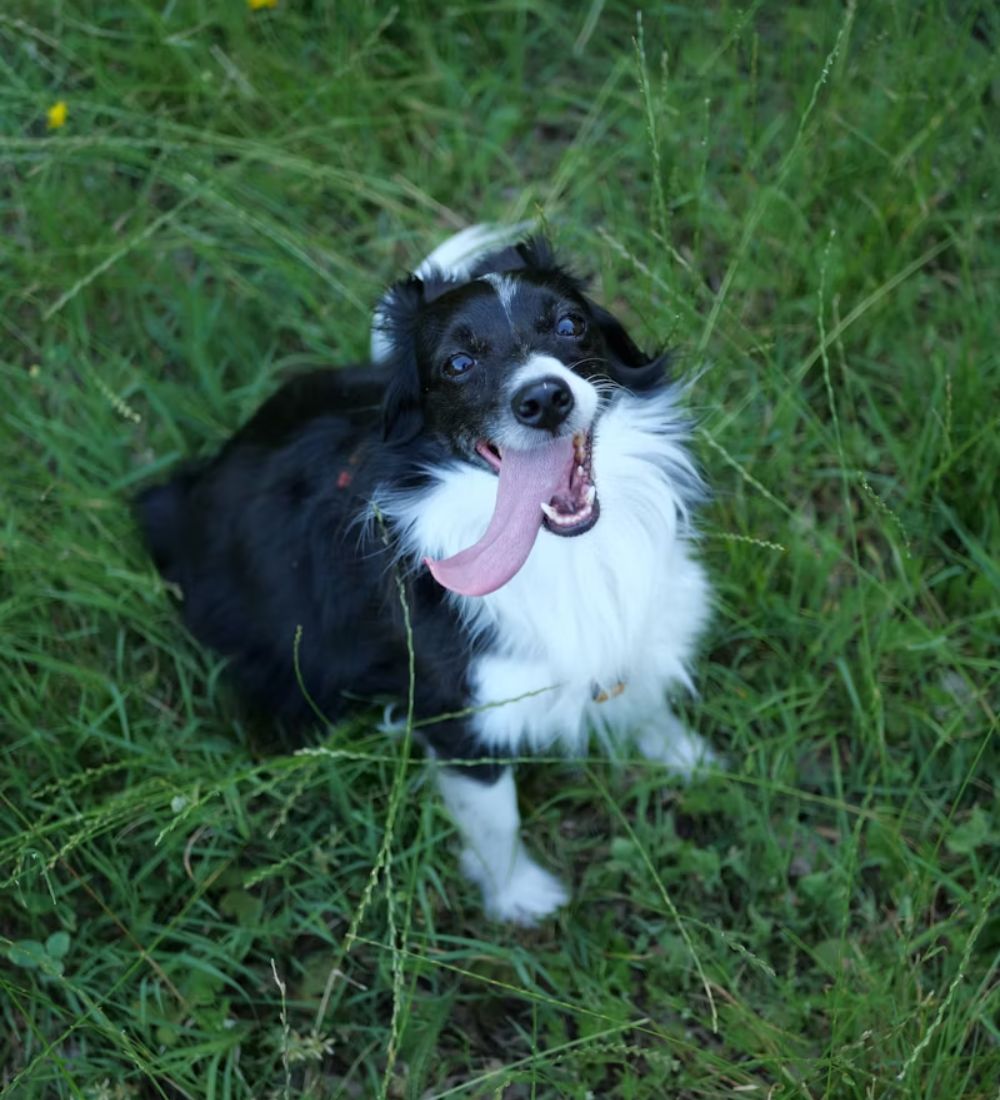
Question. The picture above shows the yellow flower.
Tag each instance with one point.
(56, 115)
(256, 5)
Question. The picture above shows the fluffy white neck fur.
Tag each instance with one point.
(623, 602)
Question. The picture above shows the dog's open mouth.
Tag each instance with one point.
(551, 485)
(574, 507)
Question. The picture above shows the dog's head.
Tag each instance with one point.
(510, 366)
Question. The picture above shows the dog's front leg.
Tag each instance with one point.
(515, 888)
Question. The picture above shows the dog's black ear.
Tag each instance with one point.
(627, 365)
(537, 254)
(534, 254)
(402, 417)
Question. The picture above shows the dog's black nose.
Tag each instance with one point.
(543, 403)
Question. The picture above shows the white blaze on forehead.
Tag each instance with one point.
(505, 287)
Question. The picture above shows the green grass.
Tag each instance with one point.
(803, 200)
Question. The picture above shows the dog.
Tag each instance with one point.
(505, 495)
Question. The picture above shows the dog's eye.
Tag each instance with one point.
(571, 324)
(457, 365)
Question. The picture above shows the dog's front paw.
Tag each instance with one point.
(524, 896)
(681, 750)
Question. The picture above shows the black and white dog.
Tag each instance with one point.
(515, 459)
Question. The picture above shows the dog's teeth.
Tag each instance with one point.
(581, 473)
(571, 519)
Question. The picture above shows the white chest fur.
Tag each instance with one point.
(621, 604)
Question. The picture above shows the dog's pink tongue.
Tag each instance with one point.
(527, 478)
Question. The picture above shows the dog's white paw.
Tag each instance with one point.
(676, 747)
(524, 896)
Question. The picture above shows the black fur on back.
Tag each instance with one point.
(267, 538)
